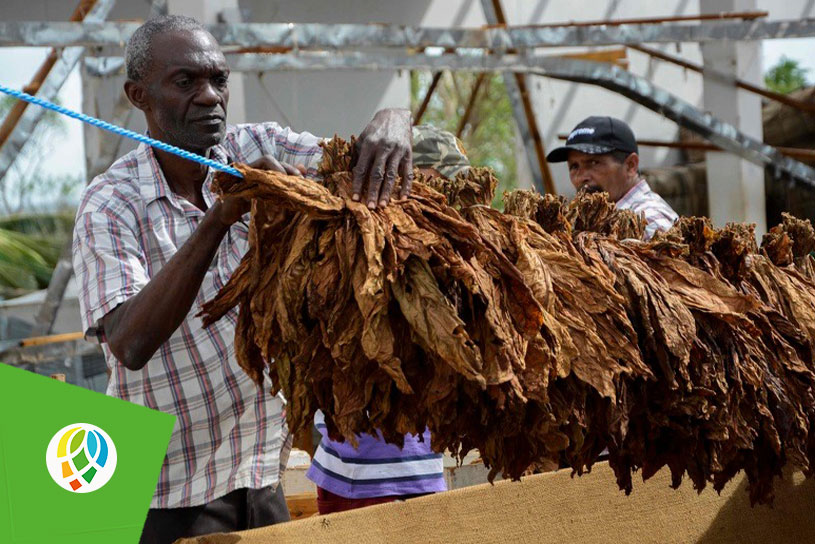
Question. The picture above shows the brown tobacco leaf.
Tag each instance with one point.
(380, 318)
(775, 360)
(470, 187)
(728, 338)
(792, 242)
(549, 211)
(540, 336)
(587, 212)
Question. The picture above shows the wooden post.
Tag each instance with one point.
(470, 104)
(17, 110)
(523, 112)
(417, 118)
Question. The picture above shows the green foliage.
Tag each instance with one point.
(30, 246)
(489, 137)
(26, 262)
(40, 224)
(786, 76)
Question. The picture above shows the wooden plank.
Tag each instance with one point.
(302, 505)
(744, 15)
(557, 507)
(617, 56)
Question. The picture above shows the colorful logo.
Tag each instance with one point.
(81, 458)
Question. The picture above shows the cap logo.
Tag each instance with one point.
(579, 131)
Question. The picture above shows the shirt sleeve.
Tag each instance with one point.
(254, 140)
(658, 220)
(299, 148)
(110, 267)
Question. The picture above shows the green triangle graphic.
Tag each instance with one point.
(33, 507)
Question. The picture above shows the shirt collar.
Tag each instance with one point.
(641, 186)
(153, 185)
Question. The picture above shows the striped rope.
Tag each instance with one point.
(121, 131)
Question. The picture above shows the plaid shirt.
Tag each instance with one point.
(659, 215)
(229, 433)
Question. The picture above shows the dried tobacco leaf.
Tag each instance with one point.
(539, 336)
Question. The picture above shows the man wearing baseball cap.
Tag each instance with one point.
(601, 153)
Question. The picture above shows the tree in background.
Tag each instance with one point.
(786, 76)
(30, 246)
(489, 136)
(25, 188)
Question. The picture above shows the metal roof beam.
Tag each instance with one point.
(645, 93)
(66, 61)
(350, 36)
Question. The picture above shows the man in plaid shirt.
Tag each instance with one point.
(152, 244)
(601, 153)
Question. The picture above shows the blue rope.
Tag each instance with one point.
(121, 131)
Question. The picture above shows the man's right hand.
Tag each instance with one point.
(139, 326)
(232, 209)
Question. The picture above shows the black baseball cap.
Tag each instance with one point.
(597, 135)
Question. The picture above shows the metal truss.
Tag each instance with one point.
(350, 36)
(49, 89)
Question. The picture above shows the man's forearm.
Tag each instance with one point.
(139, 326)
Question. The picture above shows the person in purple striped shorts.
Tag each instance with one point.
(376, 472)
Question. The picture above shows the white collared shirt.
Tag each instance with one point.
(659, 215)
(229, 433)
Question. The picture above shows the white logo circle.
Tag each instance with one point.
(81, 458)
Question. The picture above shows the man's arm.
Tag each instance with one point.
(139, 326)
(136, 328)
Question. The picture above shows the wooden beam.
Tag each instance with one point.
(470, 104)
(417, 117)
(19, 106)
(744, 15)
(527, 123)
(777, 97)
(793, 152)
(617, 56)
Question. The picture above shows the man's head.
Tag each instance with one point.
(601, 153)
(438, 152)
(177, 75)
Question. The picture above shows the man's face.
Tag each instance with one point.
(596, 173)
(187, 90)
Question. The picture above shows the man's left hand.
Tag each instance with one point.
(385, 151)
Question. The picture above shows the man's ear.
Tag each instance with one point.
(632, 164)
(137, 94)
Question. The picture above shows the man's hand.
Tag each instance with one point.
(233, 208)
(385, 150)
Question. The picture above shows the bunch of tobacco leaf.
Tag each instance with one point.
(541, 335)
